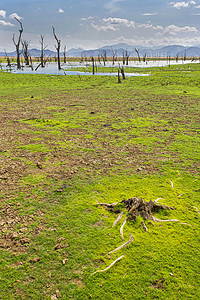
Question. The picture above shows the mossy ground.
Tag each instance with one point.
(69, 141)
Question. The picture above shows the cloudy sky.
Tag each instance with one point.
(93, 23)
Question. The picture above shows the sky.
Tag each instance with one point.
(91, 24)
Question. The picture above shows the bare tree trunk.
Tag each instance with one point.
(25, 50)
(64, 53)
(104, 57)
(17, 45)
(138, 54)
(123, 74)
(127, 57)
(8, 59)
(144, 57)
(99, 58)
(119, 80)
(123, 55)
(58, 47)
(114, 55)
(93, 70)
(42, 63)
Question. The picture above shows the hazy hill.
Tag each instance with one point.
(172, 51)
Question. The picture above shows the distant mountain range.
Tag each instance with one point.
(172, 51)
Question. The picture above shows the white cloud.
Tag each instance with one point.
(182, 4)
(119, 21)
(2, 22)
(149, 25)
(149, 14)
(87, 19)
(173, 29)
(15, 15)
(107, 27)
(2, 13)
(61, 11)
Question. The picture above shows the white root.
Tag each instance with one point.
(124, 245)
(158, 200)
(159, 220)
(197, 209)
(172, 184)
(144, 226)
(121, 229)
(118, 219)
(114, 262)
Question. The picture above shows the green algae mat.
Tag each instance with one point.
(68, 143)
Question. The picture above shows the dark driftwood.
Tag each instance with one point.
(138, 207)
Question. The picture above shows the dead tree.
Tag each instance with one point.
(127, 57)
(42, 63)
(93, 69)
(123, 74)
(104, 57)
(64, 54)
(138, 54)
(184, 58)
(144, 57)
(119, 80)
(114, 55)
(25, 51)
(58, 47)
(123, 58)
(17, 44)
(177, 56)
(99, 58)
(8, 60)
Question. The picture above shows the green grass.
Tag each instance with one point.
(70, 141)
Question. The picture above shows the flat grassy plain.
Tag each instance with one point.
(70, 141)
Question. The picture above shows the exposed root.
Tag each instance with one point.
(159, 220)
(124, 245)
(144, 226)
(110, 207)
(118, 219)
(121, 229)
(114, 262)
(155, 201)
(172, 184)
(108, 204)
(197, 209)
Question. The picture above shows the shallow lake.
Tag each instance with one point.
(67, 69)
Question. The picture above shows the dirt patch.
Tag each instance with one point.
(14, 229)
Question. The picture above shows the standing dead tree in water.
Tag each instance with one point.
(8, 60)
(127, 55)
(42, 63)
(64, 54)
(123, 58)
(104, 57)
(17, 44)
(114, 55)
(58, 47)
(25, 51)
(93, 65)
(138, 54)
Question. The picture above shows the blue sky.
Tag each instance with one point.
(94, 23)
